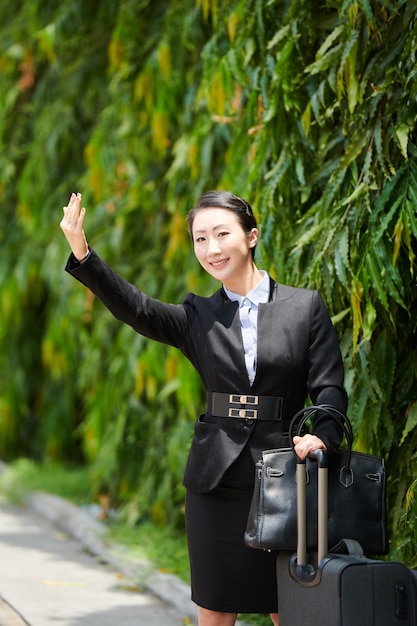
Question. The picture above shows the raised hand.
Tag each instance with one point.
(72, 226)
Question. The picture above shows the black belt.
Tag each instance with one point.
(244, 406)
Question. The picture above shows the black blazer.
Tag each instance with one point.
(298, 355)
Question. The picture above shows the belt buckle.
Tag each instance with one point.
(243, 413)
(235, 398)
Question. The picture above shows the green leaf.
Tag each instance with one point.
(402, 133)
(376, 275)
(411, 422)
(326, 61)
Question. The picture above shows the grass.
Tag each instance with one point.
(23, 476)
(166, 549)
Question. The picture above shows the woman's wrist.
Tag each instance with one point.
(82, 257)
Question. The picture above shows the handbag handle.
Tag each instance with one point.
(344, 422)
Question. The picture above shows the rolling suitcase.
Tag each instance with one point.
(331, 589)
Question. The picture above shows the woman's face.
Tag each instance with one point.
(222, 247)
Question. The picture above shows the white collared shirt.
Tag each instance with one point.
(248, 312)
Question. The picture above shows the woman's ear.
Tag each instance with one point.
(253, 237)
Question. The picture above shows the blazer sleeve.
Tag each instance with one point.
(326, 373)
(167, 323)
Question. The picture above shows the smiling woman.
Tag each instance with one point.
(241, 209)
(260, 349)
(223, 249)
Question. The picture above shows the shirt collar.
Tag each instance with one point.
(258, 294)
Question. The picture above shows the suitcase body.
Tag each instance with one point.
(324, 589)
(352, 591)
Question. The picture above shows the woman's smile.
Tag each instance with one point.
(218, 263)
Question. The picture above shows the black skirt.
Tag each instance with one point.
(225, 574)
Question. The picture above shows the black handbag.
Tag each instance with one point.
(356, 495)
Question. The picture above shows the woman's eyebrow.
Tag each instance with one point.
(203, 230)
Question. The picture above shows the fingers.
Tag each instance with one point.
(73, 219)
(72, 226)
(72, 212)
(69, 209)
(303, 446)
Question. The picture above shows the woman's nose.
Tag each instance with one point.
(213, 247)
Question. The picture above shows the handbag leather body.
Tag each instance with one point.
(356, 495)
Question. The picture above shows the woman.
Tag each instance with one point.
(260, 348)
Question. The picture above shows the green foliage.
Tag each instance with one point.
(406, 532)
(309, 112)
(24, 476)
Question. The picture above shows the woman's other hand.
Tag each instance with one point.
(306, 444)
(72, 226)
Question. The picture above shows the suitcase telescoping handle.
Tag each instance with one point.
(309, 574)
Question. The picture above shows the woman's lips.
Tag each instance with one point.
(218, 263)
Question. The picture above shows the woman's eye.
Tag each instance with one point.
(200, 239)
(223, 233)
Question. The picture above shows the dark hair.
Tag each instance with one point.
(228, 201)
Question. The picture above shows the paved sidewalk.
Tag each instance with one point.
(55, 568)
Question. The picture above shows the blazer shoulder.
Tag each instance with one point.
(215, 301)
(286, 292)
